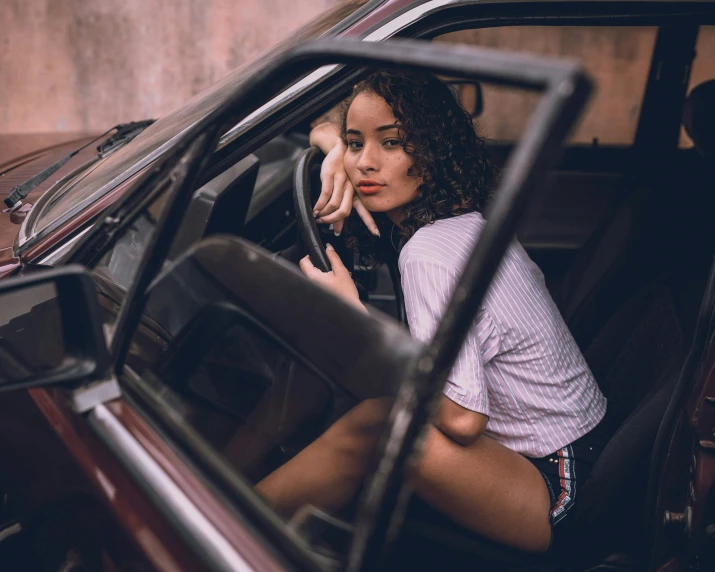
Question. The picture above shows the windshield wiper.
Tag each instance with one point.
(125, 132)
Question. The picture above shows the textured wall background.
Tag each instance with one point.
(84, 65)
(77, 65)
(617, 58)
(608, 54)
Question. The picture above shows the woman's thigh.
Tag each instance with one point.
(486, 487)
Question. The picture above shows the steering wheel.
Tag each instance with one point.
(308, 234)
(304, 197)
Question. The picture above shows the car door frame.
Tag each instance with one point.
(181, 170)
(70, 423)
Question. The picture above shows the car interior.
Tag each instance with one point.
(628, 279)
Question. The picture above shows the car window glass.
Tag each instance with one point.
(607, 53)
(246, 395)
(703, 68)
(219, 206)
(226, 354)
(114, 272)
(85, 191)
(120, 263)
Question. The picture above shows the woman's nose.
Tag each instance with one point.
(368, 160)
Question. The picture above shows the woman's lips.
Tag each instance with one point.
(368, 187)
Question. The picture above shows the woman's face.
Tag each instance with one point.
(375, 161)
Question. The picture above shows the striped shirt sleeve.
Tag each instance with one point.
(427, 286)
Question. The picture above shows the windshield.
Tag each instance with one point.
(90, 186)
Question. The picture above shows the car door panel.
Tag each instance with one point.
(244, 540)
(136, 513)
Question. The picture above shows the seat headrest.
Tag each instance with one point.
(699, 117)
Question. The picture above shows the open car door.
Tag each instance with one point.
(286, 313)
(244, 287)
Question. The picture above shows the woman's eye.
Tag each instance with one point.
(393, 142)
(354, 144)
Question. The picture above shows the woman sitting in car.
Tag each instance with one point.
(517, 429)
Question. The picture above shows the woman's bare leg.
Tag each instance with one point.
(329, 471)
(249, 445)
(486, 487)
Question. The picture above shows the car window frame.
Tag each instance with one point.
(191, 151)
(127, 327)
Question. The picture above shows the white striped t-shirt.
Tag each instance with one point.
(519, 365)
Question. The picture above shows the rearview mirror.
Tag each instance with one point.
(50, 330)
(469, 94)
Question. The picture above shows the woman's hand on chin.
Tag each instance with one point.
(338, 280)
(337, 195)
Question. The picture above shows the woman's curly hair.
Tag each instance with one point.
(449, 155)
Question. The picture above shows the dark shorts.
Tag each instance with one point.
(565, 470)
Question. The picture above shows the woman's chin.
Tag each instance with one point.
(371, 204)
(376, 204)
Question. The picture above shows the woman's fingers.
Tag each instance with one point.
(307, 266)
(312, 272)
(336, 199)
(337, 195)
(332, 177)
(338, 280)
(326, 191)
(344, 207)
(350, 201)
(366, 217)
(335, 261)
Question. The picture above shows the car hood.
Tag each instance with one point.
(23, 156)
(16, 149)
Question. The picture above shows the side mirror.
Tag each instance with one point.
(469, 94)
(50, 332)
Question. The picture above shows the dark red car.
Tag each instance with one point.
(148, 416)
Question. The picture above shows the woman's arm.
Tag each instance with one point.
(326, 136)
(427, 282)
(458, 423)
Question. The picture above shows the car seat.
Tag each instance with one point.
(699, 118)
(639, 351)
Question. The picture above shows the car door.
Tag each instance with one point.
(155, 420)
(244, 363)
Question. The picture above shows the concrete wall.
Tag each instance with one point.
(617, 58)
(84, 65)
(77, 65)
